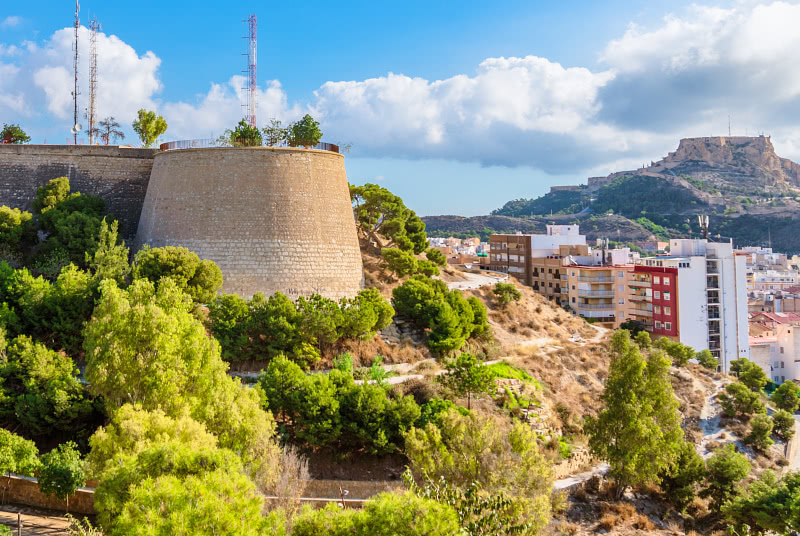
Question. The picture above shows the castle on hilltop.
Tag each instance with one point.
(272, 218)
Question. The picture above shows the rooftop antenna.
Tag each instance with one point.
(94, 26)
(250, 105)
(76, 127)
(703, 225)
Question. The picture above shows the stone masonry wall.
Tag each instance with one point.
(117, 174)
(273, 219)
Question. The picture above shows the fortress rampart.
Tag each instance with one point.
(273, 219)
(117, 174)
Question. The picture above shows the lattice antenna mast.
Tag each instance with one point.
(250, 105)
(94, 26)
(75, 73)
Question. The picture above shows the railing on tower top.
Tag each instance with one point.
(209, 143)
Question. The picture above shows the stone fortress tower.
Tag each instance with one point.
(272, 218)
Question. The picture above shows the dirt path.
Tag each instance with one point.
(710, 417)
(475, 281)
(34, 523)
(580, 478)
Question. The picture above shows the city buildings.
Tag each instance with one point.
(775, 345)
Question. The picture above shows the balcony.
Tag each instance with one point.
(602, 293)
(601, 279)
(563, 277)
(597, 314)
(641, 312)
(641, 284)
(596, 306)
(640, 298)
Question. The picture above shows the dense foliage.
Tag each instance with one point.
(13, 134)
(384, 219)
(262, 328)
(149, 126)
(450, 318)
(331, 410)
(506, 293)
(200, 279)
(554, 202)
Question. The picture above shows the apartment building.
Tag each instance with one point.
(597, 293)
(696, 295)
(775, 345)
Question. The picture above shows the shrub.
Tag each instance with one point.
(62, 472)
(400, 263)
(739, 400)
(760, 430)
(15, 226)
(450, 318)
(199, 279)
(707, 360)
(753, 376)
(506, 293)
(786, 396)
(436, 257)
(724, 470)
(679, 352)
(679, 483)
(427, 268)
(783, 424)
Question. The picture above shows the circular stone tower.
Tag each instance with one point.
(272, 218)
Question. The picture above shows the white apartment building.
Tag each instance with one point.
(777, 352)
(555, 237)
(700, 298)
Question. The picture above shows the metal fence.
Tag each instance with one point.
(209, 143)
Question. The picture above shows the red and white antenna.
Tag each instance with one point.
(250, 104)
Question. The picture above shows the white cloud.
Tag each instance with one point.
(10, 21)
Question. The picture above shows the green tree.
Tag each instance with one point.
(786, 396)
(643, 340)
(365, 314)
(62, 472)
(634, 326)
(753, 377)
(679, 352)
(739, 400)
(218, 502)
(13, 134)
(427, 268)
(15, 226)
(482, 450)
(199, 279)
(506, 293)
(466, 376)
(149, 126)
(399, 262)
(760, 430)
(766, 506)
(436, 256)
(386, 514)
(242, 136)
(679, 483)
(110, 259)
(707, 360)
(229, 317)
(305, 132)
(275, 133)
(638, 430)
(479, 513)
(783, 424)
(724, 470)
(383, 219)
(17, 455)
(51, 194)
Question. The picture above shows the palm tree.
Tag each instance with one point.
(109, 130)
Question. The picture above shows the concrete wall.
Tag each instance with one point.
(273, 219)
(118, 175)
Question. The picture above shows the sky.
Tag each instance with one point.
(457, 107)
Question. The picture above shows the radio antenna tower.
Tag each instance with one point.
(250, 105)
(75, 125)
(94, 26)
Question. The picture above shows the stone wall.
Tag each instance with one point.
(273, 219)
(24, 490)
(117, 174)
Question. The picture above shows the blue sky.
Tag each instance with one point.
(456, 106)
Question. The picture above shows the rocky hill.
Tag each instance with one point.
(749, 192)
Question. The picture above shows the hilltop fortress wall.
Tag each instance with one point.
(117, 174)
(273, 219)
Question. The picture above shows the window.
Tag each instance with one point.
(620, 274)
(656, 280)
(783, 379)
(666, 296)
(668, 326)
(781, 349)
(658, 324)
(573, 298)
(622, 302)
(657, 309)
(573, 287)
(667, 310)
(573, 274)
(782, 365)
(666, 280)
(656, 294)
(621, 288)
